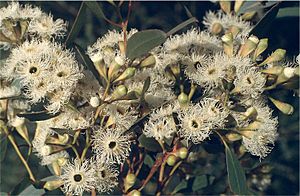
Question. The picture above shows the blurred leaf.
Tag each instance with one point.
(88, 62)
(236, 174)
(3, 148)
(37, 116)
(149, 143)
(4, 194)
(142, 42)
(249, 6)
(200, 182)
(265, 21)
(78, 23)
(96, 9)
(31, 190)
(182, 25)
(288, 12)
(182, 185)
(148, 161)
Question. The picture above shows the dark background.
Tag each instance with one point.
(282, 33)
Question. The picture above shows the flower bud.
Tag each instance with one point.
(183, 98)
(18, 121)
(150, 61)
(128, 73)
(56, 168)
(261, 47)
(54, 184)
(62, 161)
(251, 113)
(249, 46)
(233, 137)
(46, 150)
(283, 107)
(216, 28)
(122, 47)
(135, 193)
(225, 6)
(275, 70)
(248, 15)
(119, 92)
(286, 74)
(94, 101)
(227, 40)
(171, 160)
(129, 181)
(238, 5)
(234, 30)
(182, 152)
(113, 69)
(275, 57)
(99, 65)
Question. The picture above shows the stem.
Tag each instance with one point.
(171, 173)
(87, 145)
(12, 141)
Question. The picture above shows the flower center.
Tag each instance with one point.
(112, 145)
(61, 74)
(194, 124)
(77, 177)
(103, 173)
(211, 71)
(32, 70)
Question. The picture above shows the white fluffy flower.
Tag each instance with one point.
(106, 177)
(196, 121)
(111, 146)
(78, 177)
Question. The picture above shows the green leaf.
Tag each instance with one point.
(236, 174)
(37, 116)
(182, 25)
(182, 185)
(96, 9)
(200, 182)
(149, 143)
(288, 12)
(148, 161)
(249, 6)
(31, 190)
(262, 26)
(3, 148)
(142, 42)
(78, 23)
(88, 62)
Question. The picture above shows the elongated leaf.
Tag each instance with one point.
(262, 26)
(182, 25)
(3, 148)
(249, 6)
(31, 190)
(142, 42)
(200, 182)
(96, 9)
(78, 23)
(182, 185)
(37, 116)
(288, 12)
(236, 174)
(148, 161)
(149, 143)
(87, 62)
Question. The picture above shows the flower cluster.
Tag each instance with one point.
(179, 94)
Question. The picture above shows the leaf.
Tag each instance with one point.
(88, 62)
(249, 6)
(288, 12)
(78, 23)
(236, 174)
(142, 42)
(263, 25)
(182, 25)
(182, 185)
(149, 143)
(37, 116)
(200, 182)
(148, 161)
(3, 148)
(31, 190)
(96, 9)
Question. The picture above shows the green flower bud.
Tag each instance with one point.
(135, 193)
(119, 92)
(128, 73)
(51, 185)
(238, 5)
(130, 179)
(248, 15)
(249, 46)
(182, 152)
(227, 40)
(261, 47)
(225, 6)
(150, 61)
(216, 28)
(234, 30)
(183, 98)
(251, 113)
(233, 137)
(275, 70)
(275, 57)
(171, 160)
(283, 107)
